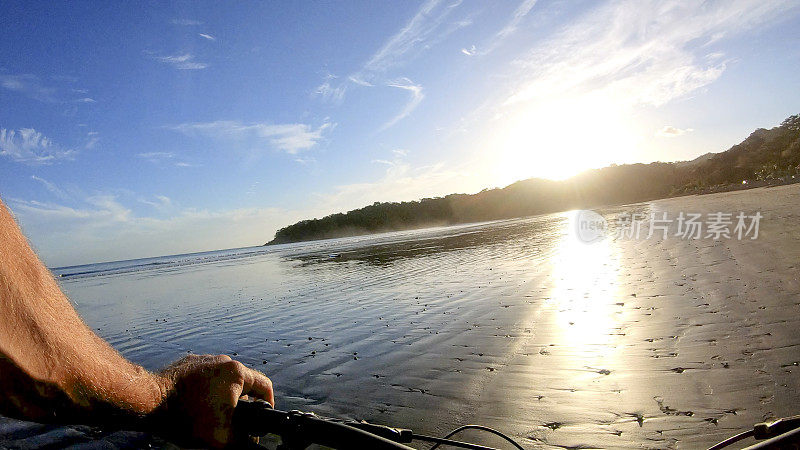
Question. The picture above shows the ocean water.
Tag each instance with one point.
(513, 324)
(374, 315)
(259, 302)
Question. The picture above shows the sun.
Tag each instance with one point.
(561, 138)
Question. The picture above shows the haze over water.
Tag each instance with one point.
(513, 324)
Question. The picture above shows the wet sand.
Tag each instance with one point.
(514, 324)
(672, 343)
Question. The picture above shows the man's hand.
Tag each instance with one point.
(53, 368)
(201, 393)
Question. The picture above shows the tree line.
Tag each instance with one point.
(765, 157)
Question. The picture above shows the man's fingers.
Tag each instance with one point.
(258, 385)
(252, 382)
(207, 389)
(220, 358)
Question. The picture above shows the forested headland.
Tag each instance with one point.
(765, 157)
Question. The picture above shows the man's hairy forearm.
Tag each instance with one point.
(51, 363)
(54, 368)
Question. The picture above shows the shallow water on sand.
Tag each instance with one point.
(513, 324)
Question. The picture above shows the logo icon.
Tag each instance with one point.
(590, 227)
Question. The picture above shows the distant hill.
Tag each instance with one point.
(765, 157)
(700, 159)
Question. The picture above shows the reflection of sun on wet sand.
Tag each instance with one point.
(513, 324)
(664, 341)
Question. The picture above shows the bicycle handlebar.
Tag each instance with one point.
(300, 429)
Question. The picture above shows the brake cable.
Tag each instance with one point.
(473, 427)
(259, 418)
(775, 429)
(406, 436)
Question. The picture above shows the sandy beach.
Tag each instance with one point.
(657, 343)
(670, 343)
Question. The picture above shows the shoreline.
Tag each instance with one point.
(707, 191)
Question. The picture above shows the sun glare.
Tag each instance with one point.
(559, 139)
(584, 290)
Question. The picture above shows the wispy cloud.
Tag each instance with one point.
(416, 96)
(50, 90)
(92, 138)
(31, 147)
(670, 131)
(409, 38)
(159, 202)
(328, 91)
(642, 52)
(96, 209)
(522, 10)
(290, 138)
(107, 227)
(113, 226)
(51, 187)
(519, 14)
(29, 85)
(383, 161)
(429, 26)
(164, 158)
(305, 160)
(355, 79)
(182, 62)
(400, 182)
(207, 36)
(110, 206)
(48, 211)
(156, 157)
(186, 22)
(253, 188)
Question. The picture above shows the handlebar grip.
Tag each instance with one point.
(258, 419)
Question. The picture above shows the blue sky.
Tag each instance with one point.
(140, 129)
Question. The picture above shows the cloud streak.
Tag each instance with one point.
(159, 202)
(156, 157)
(328, 91)
(428, 27)
(290, 138)
(642, 52)
(52, 91)
(416, 96)
(670, 131)
(163, 158)
(30, 86)
(51, 187)
(93, 229)
(31, 147)
(522, 10)
(186, 22)
(182, 62)
(400, 182)
(423, 27)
